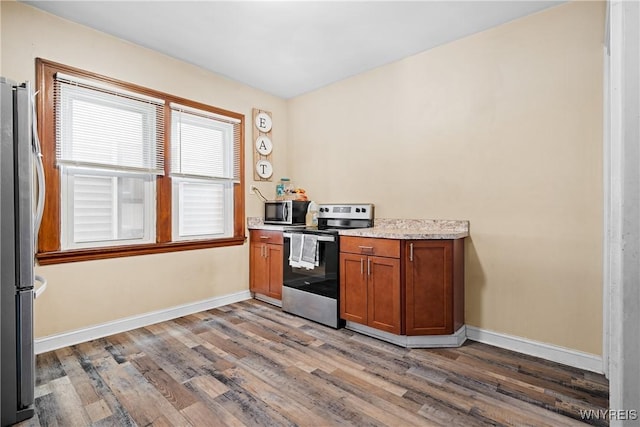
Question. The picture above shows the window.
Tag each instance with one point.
(203, 173)
(109, 147)
(109, 191)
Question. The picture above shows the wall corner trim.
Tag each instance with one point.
(65, 339)
(566, 356)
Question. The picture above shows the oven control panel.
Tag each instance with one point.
(346, 211)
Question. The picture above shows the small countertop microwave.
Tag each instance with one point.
(285, 212)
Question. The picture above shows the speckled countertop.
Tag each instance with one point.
(385, 228)
(413, 229)
(256, 223)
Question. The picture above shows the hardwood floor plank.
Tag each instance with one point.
(199, 414)
(208, 385)
(272, 396)
(119, 415)
(170, 389)
(248, 409)
(122, 347)
(141, 399)
(47, 411)
(208, 399)
(250, 364)
(225, 345)
(444, 415)
(327, 396)
(98, 410)
(49, 368)
(74, 371)
(216, 360)
(72, 412)
(375, 398)
(307, 390)
(177, 360)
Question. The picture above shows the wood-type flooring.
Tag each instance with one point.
(250, 364)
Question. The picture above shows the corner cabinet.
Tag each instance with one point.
(407, 288)
(434, 286)
(265, 263)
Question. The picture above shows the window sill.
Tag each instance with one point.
(59, 257)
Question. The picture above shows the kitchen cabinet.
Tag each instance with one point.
(434, 286)
(404, 287)
(370, 283)
(265, 263)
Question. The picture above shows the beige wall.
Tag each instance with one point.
(87, 293)
(503, 128)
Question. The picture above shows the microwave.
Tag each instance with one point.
(285, 212)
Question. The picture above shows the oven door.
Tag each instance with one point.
(320, 280)
(313, 293)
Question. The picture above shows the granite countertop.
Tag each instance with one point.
(412, 229)
(385, 228)
(256, 223)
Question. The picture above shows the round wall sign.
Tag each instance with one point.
(264, 168)
(263, 122)
(264, 145)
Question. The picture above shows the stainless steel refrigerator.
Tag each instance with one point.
(19, 158)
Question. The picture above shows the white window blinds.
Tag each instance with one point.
(201, 209)
(204, 145)
(205, 163)
(100, 126)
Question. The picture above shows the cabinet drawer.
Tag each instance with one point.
(369, 246)
(266, 236)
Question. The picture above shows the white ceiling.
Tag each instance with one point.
(288, 48)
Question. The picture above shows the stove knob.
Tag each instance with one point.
(364, 209)
(357, 209)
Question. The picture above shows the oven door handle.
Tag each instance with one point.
(320, 238)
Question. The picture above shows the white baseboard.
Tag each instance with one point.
(53, 342)
(566, 356)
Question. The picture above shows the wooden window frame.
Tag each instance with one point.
(49, 250)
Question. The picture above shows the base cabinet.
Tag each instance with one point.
(370, 291)
(407, 287)
(266, 262)
(434, 286)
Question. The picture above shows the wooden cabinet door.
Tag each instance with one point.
(384, 297)
(275, 259)
(258, 268)
(428, 287)
(353, 288)
(266, 263)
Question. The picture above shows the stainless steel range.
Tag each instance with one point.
(311, 262)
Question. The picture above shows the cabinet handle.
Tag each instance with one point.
(361, 266)
(366, 249)
(411, 252)
(368, 266)
(262, 249)
(264, 237)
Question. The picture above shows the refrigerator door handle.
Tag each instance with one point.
(39, 172)
(40, 289)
